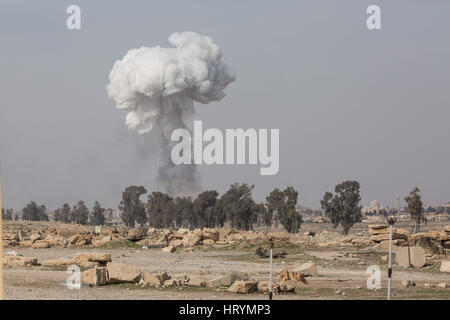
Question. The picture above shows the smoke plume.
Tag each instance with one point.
(158, 86)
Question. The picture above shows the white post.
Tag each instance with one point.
(390, 266)
(270, 272)
(391, 222)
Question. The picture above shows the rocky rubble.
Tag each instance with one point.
(50, 234)
(434, 241)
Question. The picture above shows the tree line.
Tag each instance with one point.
(78, 214)
(235, 208)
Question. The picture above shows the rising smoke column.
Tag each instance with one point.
(158, 87)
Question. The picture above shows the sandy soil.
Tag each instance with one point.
(337, 272)
(343, 275)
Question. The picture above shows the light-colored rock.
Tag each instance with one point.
(165, 237)
(121, 273)
(402, 257)
(219, 281)
(14, 261)
(58, 262)
(88, 264)
(102, 241)
(411, 256)
(278, 236)
(384, 246)
(149, 279)
(176, 243)
(385, 236)
(224, 232)
(80, 240)
(377, 226)
(35, 236)
(169, 249)
(136, 234)
(308, 269)
(208, 242)
(286, 275)
(417, 257)
(443, 285)
(243, 287)
(445, 266)
(263, 287)
(74, 239)
(97, 229)
(197, 281)
(177, 236)
(209, 233)
(95, 277)
(11, 236)
(92, 257)
(21, 235)
(41, 244)
(191, 240)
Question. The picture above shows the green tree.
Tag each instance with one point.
(184, 213)
(343, 207)
(238, 207)
(282, 205)
(331, 207)
(7, 214)
(80, 213)
(97, 217)
(205, 210)
(265, 215)
(131, 207)
(33, 212)
(160, 210)
(415, 208)
(63, 214)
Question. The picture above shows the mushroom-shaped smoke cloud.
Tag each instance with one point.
(158, 87)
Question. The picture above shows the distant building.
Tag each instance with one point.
(373, 208)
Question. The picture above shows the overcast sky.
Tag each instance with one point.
(350, 103)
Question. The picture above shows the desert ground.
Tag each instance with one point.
(340, 262)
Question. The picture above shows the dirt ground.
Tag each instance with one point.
(340, 276)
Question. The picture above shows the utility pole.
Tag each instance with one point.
(391, 222)
(398, 205)
(270, 272)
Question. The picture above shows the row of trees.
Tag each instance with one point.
(34, 212)
(235, 207)
(80, 214)
(7, 214)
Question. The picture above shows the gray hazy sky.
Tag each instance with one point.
(350, 103)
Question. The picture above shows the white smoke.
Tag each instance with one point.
(158, 87)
